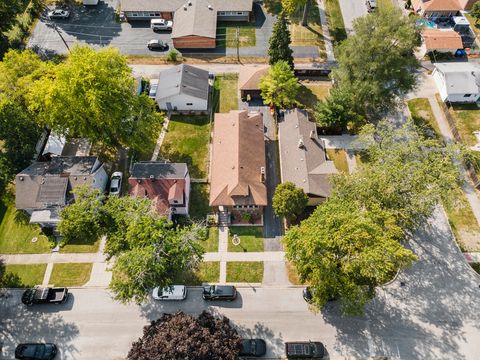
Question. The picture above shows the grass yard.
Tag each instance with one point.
(339, 158)
(211, 244)
(464, 224)
(226, 34)
(251, 238)
(208, 272)
(467, 119)
(335, 22)
(226, 92)
(81, 247)
(385, 4)
(187, 141)
(26, 275)
(70, 274)
(249, 272)
(309, 95)
(199, 196)
(16, 233)
(423, 117)
(475, 27)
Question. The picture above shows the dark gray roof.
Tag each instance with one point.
(173, 5)
(199, 19)
(58, 165)
(302, 154)
(53, 190)
(183, 79)
(159, 169)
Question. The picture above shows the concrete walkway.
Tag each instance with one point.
(222, 249)
(326, 32)
(156, 151)
(351, 161)
(244, 256)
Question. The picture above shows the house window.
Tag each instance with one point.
(134, 14)
(189, 104)
(152, 14)
(221, 13)
(175, 201)
(157, 14)
(467, 95)
(239, 13)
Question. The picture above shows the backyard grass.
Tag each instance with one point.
(473, 25)
(249, 272)
(310, 35)
(187, 141)
(385, 4)
(16, 233)
(199, 207)
(464, 224)
(226, 92)
(251, 238)
(292, 274)
(81, 247)
(467, 119)
(423, 117)
(28, 275)
(309, 95)
(208, 272)
(226, 34)
(335, 22)
(211, 243)
(70, 274)
(339, 158)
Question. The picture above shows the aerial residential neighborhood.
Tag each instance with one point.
(239, 179)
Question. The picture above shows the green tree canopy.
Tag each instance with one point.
(279, 87)
(292, 5)
(376, 64)
(8, 11)
(279, 42)
(289, 200)
(475, 12)
(91, 95)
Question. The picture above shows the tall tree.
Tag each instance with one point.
(279, 42)
(289, 200)
(92, 95)
(181, 336)
(8, 11)
(376, 65)
(475, 12)
(279, 87)
(291, 6)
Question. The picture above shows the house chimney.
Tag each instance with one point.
(210, 7)
(185, 7)
(189, 3)
(152, 178)
(262, 174)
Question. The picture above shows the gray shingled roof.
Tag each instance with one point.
(199, 19)
(159, 169)
(173, 5)
(460, 78)
(303, 155)
(58, 165)
(183, 79)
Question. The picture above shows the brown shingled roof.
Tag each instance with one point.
(253, 83)
(436, 39)
(441, 5)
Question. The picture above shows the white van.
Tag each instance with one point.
(161, 24)
(174, 292)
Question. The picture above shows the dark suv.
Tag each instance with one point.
(304, 350)
(219, 292)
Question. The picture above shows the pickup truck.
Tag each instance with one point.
(219, 292)
(44, 295)
(304, 350)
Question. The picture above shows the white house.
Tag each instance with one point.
(458, 82)
(183, 88)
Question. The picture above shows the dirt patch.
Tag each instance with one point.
(469, 240)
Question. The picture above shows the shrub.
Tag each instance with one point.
(172, 55)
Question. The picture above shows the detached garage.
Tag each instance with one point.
(251, 88)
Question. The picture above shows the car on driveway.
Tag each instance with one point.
(36, 351)
(116, 183)
(253, 347)
(58, 14)
(219, 292)
(174, 292)
(161, 25)
(157, 45)
(371, 5)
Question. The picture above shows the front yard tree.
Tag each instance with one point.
(279, 43)
(376, 65)
(8, 11)
(279, 87)
(181, 336)
(92, 95)
(291, 6)
(475, 12)
(289, 200)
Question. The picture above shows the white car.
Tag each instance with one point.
(174, 292)
(152, 92)
(161, 24)
(116, 183)
(58, 14)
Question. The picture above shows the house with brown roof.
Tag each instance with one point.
(166, 184)
(237, 176)
(438, 8)
(194, 21)
(442, 40)
(303, 158)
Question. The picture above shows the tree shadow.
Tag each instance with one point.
(8, 279)
(273, 7)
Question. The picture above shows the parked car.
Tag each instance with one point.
(116, 183)
(174, 292)
(36, 351)
(156, 45)
(307, 294)
(304, 350)
(161, 24)
(371, 5)
(44, 295)
(58, 14)
(253, 347)
(219, 292)
(152, 92)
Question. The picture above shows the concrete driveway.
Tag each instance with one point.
(351, 9)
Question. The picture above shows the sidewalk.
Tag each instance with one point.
(326, 32)
(244, 256)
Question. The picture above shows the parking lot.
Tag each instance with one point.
(97, 26)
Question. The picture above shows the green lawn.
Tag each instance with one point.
(226, 92)
(81, 247)
(208, 272)
(211, 244)
(339, 158)
(473, 25)
(467, 119)
(199, 197)
(187, 141)
(384, 4)
(226, 34)
(309, 95)
(292, 274)
(249, 272)
(423, 117)
(70, 274)
(16, 233)
(335, 22)
(251, 238)
(26, 275)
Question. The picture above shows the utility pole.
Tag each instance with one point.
(237, 32)
(61, 36)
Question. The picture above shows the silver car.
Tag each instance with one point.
(58, 14)
(116, 183)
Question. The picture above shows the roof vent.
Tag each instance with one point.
(312, 134)
(189, 3)
(43, 181)
(20, 178)
(210, 7)
(74, 178)
(185, 7)
(152, 178)
(139, 181)
(300, 143)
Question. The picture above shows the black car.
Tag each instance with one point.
(219, 292)
(36, 351)
(47, 295)
(304, 350)
(253, 347)
(157, 45)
